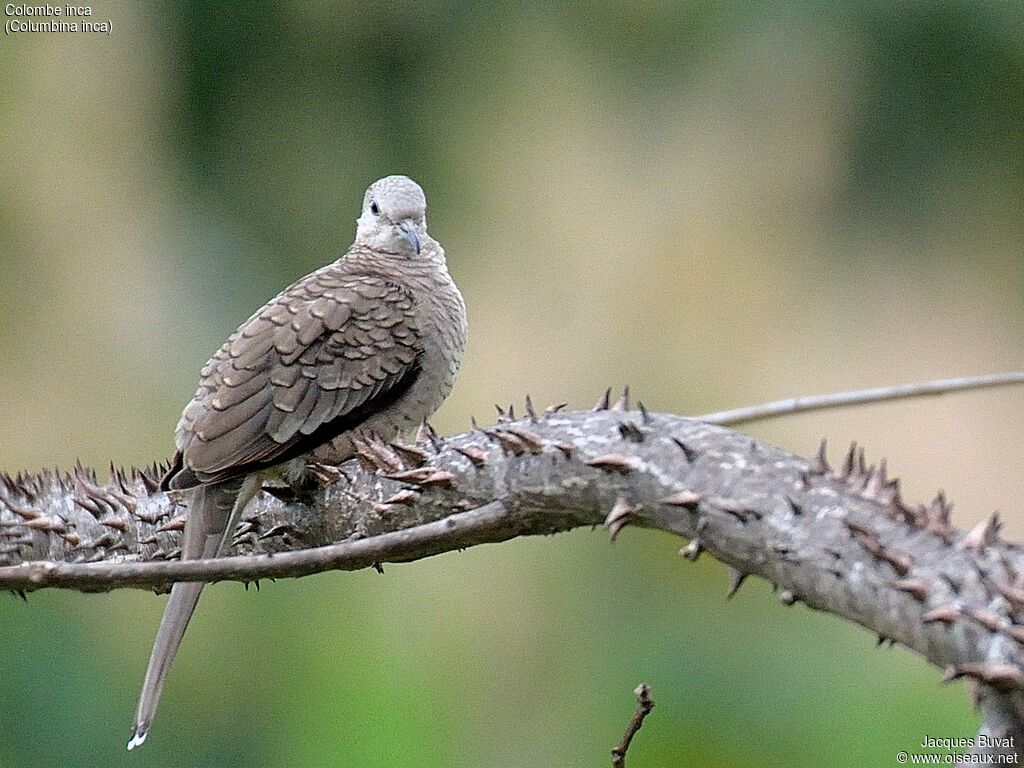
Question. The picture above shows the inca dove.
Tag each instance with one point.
(369, 343)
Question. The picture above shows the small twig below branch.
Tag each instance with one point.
(487, 523)
(643, 708)
(860, 397)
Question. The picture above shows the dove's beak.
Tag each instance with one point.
(408, 230)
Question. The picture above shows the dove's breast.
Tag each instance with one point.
(441, 319)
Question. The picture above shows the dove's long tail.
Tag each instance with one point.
(213, 512)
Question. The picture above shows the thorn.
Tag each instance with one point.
(603, 403)
(475, 455)
(984, 533)
(938, 518)
(946, 614)
(900, 561)
(868, 538)
(793, 506)
(529, 409)
(122, 496)
(991, 620)
(892, 490)
(151, 485)
(441, 478)
(876, 482)
(281, 529)
(1001, 676)
(508, 441)
(565, 448)
(413, 476)
(918, 518)
(692, 550)
(405, 496)
(622, 404)
(860, 529)
(612, 462)
(386, 459)
(104, 540)
(414, 457)
(737, 509)
(473, 424)
(820, 465)
(849, 462)
(39, 524)
(1013, 595)
(424, 476)
(534, 443)
(88, 505)
(939, 510)
(245, 527)
(1016, 631)
(916, 588)
(618, 518)
(117, 475)
(1011, 572)
(502, 416)
(427, 434)
(364, 457)
(25, 513)
(117, 523)
(378, 568)
(684, 498)
(645, 417)
(690, 453)
(786, 597)
(736, 579)
(511, 412)
(553, 409)
(324, 473)
(628, 430)
(103, 498)
(174, 524)
(897, 510)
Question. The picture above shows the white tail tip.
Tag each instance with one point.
(138, 737)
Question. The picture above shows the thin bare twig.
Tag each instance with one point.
(489, 523)
(643, 708)
(860, 397)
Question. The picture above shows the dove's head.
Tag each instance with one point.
(394, 216)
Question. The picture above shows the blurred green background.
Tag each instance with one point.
(718, 203)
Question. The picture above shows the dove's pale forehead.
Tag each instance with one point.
(397, 197)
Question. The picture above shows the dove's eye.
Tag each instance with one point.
(374, 209)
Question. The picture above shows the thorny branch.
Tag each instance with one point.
(841, 540)
(644, 705)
